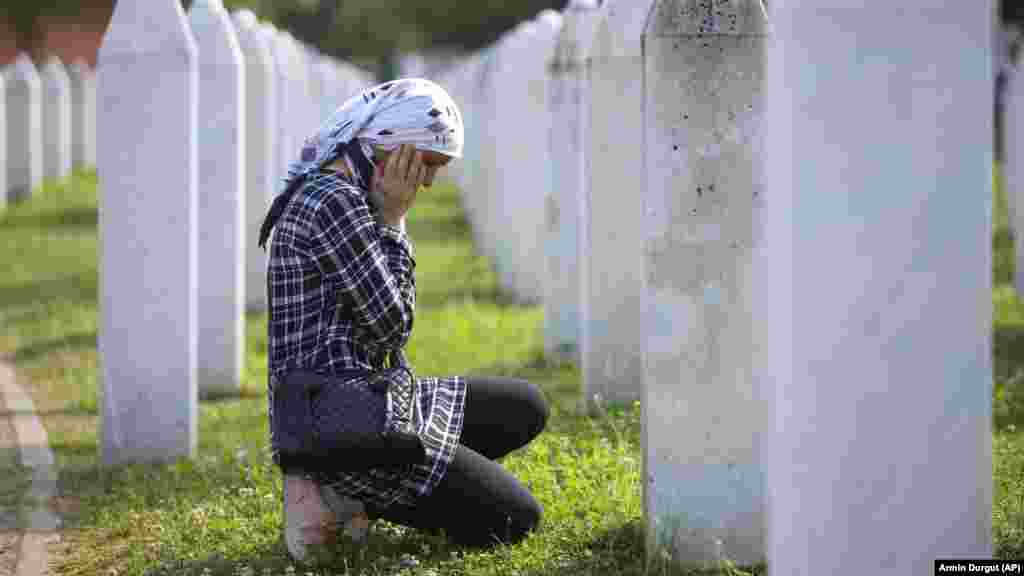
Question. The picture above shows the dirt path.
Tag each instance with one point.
(27, 529)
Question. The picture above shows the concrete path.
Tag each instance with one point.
(26, 532)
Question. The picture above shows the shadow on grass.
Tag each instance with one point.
(71, 288)
(441, 228)
(222, 397)
(73, 341)
(1003, 251)
(486, 294)
(85, 217)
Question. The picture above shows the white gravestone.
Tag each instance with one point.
(481, 147)
(261, 117)
(304, 113)
(702, 102)
(24, 129)
(516, 121)
(222, 217)
(83, 115)
(56, 113)
(345, 80)
(475, 126)
(317, 85)
(566, 195)
(283, 79)
(3, 142)
(610, 345)
(148, 211)
(524, 124)
(874, 299)
(327, 75)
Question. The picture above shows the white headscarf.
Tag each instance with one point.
(406, 111)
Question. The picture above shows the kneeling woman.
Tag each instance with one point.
(342, 293)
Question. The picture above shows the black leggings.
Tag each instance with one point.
(478, 503)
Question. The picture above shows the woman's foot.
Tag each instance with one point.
(308, 521)
(351, 514)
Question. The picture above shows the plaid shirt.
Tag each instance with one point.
(342, 293)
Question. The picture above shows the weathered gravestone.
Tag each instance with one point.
(24, 128)
(702, 105)
(873, 301)
(222, 217)
(148, 214)
(56, 115)
(260, 137)
(566, 194)
(610, 340)
(83, 115)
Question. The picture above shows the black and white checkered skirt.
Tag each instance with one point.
(442, 405)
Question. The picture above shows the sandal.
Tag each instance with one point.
(308, 521)
(352, 514)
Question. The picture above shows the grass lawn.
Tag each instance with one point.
(220, 513)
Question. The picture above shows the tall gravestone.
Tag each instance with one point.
(306, 106)
(222, 217)
(508, 218)
(4, 160)
(610, 340)
(326, 74)
(702, 106)
(874, 302)
(83, 115)
(522, 86)
(478, 140)
(566, 195)
(147, 167)
(260, 186)
(24, 128)
(285, 77)
(345, 84)
(318, 85)
(56, 114)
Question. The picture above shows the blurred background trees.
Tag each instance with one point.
(362, 31)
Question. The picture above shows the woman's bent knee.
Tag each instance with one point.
(539, 409)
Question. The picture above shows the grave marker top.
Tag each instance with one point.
(143, 26)
(244, 18)
(619, 29)
(214, 34)
(24, 70)
(669, 18)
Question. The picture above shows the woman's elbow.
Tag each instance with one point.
(396, 333)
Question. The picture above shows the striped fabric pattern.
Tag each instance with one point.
(343, 293)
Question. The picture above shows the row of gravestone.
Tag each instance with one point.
(47, 119)
(198, 116)
(782, 248)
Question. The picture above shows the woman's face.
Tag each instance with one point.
(433, 160)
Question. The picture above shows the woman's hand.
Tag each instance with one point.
(395, 186)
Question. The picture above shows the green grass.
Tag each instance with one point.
(220, 513)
